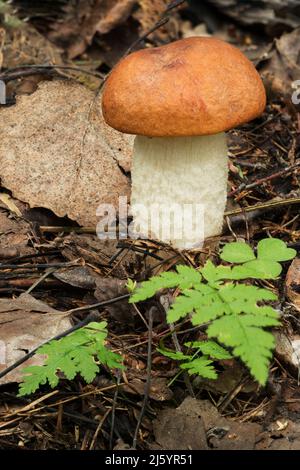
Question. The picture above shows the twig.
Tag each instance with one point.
(34, 255)
(98, 428)
(27, 70)
(264, 180)
(148, 381)
(161, 22)
(265, 206)
(41, 279)
(157, 25)
(186, 377)
(113, 410)
(38, 266)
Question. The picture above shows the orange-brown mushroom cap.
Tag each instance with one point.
(195, 86)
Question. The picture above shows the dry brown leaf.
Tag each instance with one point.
(284, 66)
(56, 152)
(14, 236)
(197, 425)
(292, 283)
(149, 13)
(27, 46)
(274, 15)
(110, 287)
(25, 323)
(83, 20)
(288, 350)
(117, 24)
(159, 390)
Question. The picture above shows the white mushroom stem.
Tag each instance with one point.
(172, 179)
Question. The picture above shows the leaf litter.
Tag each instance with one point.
(258, 150)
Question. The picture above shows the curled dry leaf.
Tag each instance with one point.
(25, 323)
(56, 152)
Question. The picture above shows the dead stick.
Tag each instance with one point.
(148, 381)
(264, 180)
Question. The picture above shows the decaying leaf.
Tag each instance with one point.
(269, 13)
(83, 21)
(110, 287)
(56, 152)
(78, 276)
(197, 425)
(283, 68)
(25, 323)
(288, 350)
(14, 236)
(159, 390)
(293, 283)
(73, 25)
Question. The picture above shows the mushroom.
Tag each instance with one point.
(179, 100)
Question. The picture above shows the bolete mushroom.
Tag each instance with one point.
(179, 100)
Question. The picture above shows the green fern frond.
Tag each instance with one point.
(211, 349)
(184, 278)
(245, 335)
(235, 313)
(201, 366)
(71, 355)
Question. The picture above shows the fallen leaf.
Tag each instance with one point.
(288, 350)
(78, 276)
(271, 14)
(292, 283)
(159, 390)
(283, 67)
(109, 288)
(9, 203)
(26, 323)
(197, 425)
(14, 236)
(281, 435)
(181, 428)
(56, 152)
(82, 21)
(116, 24)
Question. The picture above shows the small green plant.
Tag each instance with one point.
(235, 312)
(7, 18)
(71, 355)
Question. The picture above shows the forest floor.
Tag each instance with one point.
(64, 265)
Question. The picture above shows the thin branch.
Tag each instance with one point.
(148, 381)
(260, 181)
(33, 69)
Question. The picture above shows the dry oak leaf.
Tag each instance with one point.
(26, 323)
(57, 152)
